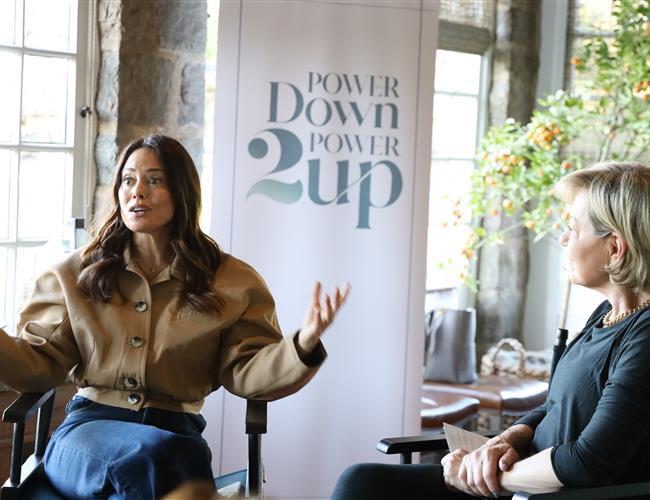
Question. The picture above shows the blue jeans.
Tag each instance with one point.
(101, 451)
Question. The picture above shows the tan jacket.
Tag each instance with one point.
(140, 349)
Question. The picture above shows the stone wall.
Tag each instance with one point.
(151, 77)
(503, 270)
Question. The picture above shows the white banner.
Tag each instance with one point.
(322, 140)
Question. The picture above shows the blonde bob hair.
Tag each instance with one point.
(619, 201)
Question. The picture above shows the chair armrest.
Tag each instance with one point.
(408, 445)
(635, 490)
(412, 444)
(24, 406)
(255, 416)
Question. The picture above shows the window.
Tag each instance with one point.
(208, 117)
(45, 168)
(465, 37)
(589, 18)
(457, 126)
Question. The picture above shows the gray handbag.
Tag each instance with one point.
(450, 346)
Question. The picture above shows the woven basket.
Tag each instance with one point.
(492, 363)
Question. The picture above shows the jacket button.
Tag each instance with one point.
(133, 399)
(130, 383)
(136, 342)
(141, 307)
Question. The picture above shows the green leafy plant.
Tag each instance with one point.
(605, 116)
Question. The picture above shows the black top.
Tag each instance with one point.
(597, 413)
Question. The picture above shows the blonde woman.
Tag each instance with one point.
(593, 428)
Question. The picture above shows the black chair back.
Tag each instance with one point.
(558, 349)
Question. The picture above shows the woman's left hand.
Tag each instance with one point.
(451, 463)
(320, 316)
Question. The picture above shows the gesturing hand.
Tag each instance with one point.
(318, 317)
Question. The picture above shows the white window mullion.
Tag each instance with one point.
(38, 147)
(70, 103)
(10, 258)
(13, 195)
(69, 229)
(483, 95)
(20, 83)
(39, 52)
(4, 290)
(83, 181)
(22, 23)
(11, 290)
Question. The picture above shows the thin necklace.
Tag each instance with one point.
(154, 270)
(609, 321)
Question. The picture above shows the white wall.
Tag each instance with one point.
(369, 386)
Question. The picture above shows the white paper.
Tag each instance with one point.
(460, 438)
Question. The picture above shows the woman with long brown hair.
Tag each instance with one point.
(147, 320)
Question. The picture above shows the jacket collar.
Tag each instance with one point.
(174, 270)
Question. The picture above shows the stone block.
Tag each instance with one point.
(145, 89)
(105, 158)
(109, 16)
(182, 25)
(522, 98)
(103, 202)
(129, 132)
(106, 104)
(190, 130)
(194, 146)
(139, 29)
(192, 98)
(106, 127)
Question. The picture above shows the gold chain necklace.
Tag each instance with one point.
(609, 321)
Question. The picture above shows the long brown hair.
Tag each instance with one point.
(199, 254)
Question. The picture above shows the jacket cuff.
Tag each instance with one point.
(313, 358)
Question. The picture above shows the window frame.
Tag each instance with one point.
(85, 132)
(80, 145)
(574, 33)
(479, 41)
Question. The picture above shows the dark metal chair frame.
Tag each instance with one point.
(406, 446)
(24, 475)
